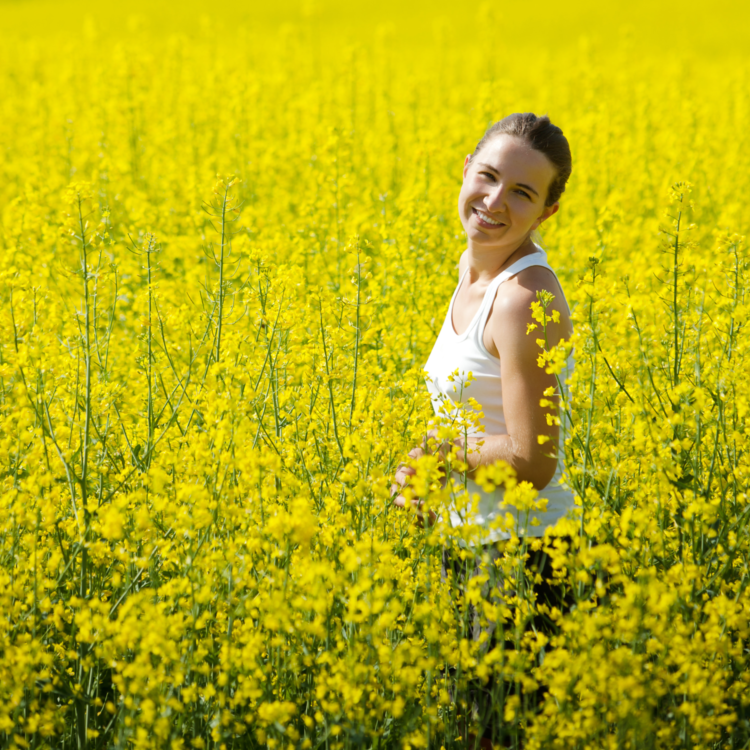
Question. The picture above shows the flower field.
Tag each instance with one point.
(229, 238)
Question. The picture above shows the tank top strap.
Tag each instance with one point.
(543, 262)
(538, 258)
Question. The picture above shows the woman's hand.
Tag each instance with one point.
(400, 502)
(404, 471)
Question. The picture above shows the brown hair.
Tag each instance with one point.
(542, 136)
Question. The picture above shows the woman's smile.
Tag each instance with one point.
(485, 220)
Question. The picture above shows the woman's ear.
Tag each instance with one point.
(467, 161)
(548, 211)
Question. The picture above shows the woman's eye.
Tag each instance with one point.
(488, 174)
(523, 192)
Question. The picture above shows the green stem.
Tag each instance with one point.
(330, 383)
(356, 341)
(149, 250)
(221, 272)
(87, 355)
(675, 307)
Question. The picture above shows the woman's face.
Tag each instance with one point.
(503, 193)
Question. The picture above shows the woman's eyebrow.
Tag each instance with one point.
(520, 184)
(528, 187)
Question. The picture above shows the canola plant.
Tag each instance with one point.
(227, 248)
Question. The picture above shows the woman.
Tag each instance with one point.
(512, 183)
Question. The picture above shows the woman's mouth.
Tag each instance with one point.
(485, 220)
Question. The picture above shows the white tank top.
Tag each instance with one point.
(467, 353)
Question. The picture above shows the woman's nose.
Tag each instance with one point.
(495, 201)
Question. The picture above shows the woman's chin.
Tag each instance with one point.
(484, 240)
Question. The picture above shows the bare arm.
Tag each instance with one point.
(524, 382)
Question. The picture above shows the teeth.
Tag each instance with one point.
(487, 218)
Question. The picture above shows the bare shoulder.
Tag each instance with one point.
(527, 283)
(513, 305)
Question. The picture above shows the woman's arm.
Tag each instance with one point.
(523, 381)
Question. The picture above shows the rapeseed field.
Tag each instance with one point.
(229, 238)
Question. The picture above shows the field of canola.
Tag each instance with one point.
(228, 243)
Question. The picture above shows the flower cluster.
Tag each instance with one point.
(226, 253)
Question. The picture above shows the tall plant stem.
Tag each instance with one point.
(149, 337)
(356, 342)
(81, 703)
(221, 272)
(675, 308)
(87, 363)
(330, 383)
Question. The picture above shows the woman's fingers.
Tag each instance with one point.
(403, 474)
(400, 502)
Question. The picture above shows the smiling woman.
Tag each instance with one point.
(511, 184)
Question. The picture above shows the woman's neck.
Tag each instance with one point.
(486, 263)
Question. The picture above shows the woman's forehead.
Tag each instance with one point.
(508, 153)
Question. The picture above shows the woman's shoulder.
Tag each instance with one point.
(534, 279)
(515, 297)
(526, 283)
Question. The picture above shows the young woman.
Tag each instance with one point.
(512, 183)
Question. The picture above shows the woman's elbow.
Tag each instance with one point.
(534, 466)
(540, 463)
(544, 469)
